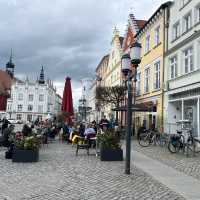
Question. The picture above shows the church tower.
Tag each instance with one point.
(10, 66)
(41, 79)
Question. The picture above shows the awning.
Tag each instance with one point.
(143, 107)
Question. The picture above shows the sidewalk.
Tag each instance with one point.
(179, 182)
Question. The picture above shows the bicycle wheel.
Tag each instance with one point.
(144, 139)
(174, 147)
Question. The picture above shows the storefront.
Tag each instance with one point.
(151, 119)
(184, 105)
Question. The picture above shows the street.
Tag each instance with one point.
(61, 175)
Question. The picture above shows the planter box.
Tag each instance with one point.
(25, 156)
(107, 154)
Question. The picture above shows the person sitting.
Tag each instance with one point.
(90, 133)
(26, 130)
(4, 125)
(94, 125)
(6, 135)
(81, 130)
(104, 122)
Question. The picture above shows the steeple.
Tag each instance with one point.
(10, 66)
(41, 79)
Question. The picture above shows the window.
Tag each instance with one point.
(138, 89)
(30, 97)
(188, 60)
(40, 109)
(173, 67)
(157, 75)
(19, 116)
(187, 22)
(176, 30)
(146, 79)
(30, 107)
(197, 13)
(48, 108)
(41, 97)
(9, 107)
(157, 35)
(147, 44)
(20, 97)
(19, 107)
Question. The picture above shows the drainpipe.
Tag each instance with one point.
(165, 48)
(198, 120)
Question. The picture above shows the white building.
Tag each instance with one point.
(84, 100)
(182, 64)
(93, 112)
(32, 100)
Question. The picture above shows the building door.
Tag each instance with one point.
(190, 113)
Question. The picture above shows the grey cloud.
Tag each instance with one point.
(67, 37)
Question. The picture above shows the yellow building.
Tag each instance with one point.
(150, 74)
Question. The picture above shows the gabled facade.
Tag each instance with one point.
(182, 64)
(113, 74)
(150, 73)
(133, 26)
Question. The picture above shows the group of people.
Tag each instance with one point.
(52, 128)
(83, 130)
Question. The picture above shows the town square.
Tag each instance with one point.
(100, 100)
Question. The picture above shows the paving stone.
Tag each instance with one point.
(61, 175)
(179, 161)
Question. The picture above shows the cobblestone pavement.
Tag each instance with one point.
(189, 165)
(62, 175)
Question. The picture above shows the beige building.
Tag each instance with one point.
(101, 73)
(113, 73)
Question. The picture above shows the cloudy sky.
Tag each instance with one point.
(67, 37)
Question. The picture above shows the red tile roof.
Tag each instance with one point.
(140, 23)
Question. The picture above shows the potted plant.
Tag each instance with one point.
(110, 148)
(26, 149)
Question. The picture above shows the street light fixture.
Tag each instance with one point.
(134, 58)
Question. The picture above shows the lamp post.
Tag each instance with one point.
(134, 58)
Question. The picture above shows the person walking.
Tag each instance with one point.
(4, 125)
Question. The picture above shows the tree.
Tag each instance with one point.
(110, 95)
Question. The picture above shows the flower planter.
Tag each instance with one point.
(108, 154)
(25, 155)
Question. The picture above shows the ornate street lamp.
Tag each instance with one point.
(134, 58)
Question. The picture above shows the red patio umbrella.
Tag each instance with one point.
(67, 102)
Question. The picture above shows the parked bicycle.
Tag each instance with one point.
(148, 137)
(179, 142)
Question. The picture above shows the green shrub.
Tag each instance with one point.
(109, 139)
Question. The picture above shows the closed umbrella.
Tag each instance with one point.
(67, 103)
